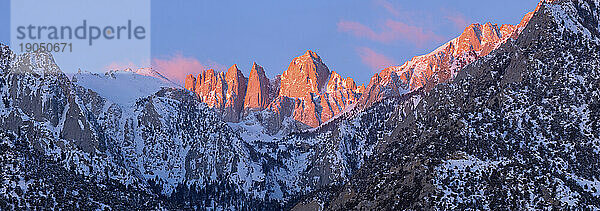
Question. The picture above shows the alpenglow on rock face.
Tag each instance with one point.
(235, 94)
(257, 94)
(441, 65)
(307, 91)
(224, 92)
(518, 129)
(515, 130)
(318, 94)
(306, 74)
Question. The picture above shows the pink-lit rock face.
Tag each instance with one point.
(190, 83)
(307, 110)
(340, 93)
(235, 94)
(311, 94)
(388, 82)
(257, 94)
(441, 65)
(225, 92)
(307, 92)
(319, 94)
(305, 74)
(210, 87)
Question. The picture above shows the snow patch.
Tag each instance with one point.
(123, 88)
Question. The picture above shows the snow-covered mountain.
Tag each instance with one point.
(140, 133)
(441, 65)
(122, 87)
(154, 139)
(307, 93)
(310, 94)
(515, 127)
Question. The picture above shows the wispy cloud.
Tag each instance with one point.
(459, 20)
(360, 30)
(388, 7)
(177, 66)
(417, 34)
(392, 31)
(374, 60)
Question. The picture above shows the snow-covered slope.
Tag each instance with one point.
(122, 87)
(151, 138)
(442, 64)
(138, 132)
(516, 130)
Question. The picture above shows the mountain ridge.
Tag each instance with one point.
(514, 129)
(311, 94)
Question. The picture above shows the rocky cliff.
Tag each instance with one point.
(258, 94)
(441, 65)
(515, 130)
(307, 88)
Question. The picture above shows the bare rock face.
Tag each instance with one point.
(507, 29)
(478, 38)
(283, 107)
(258, 94)
(388, 82)
(210, 87)
(235, 94)
(361, 89)
(190, 83)
(307, 92)
(224, 92)
(340, 93)
(441, 65)
(337, 82)
(319, 94)
(274, 87)
(308, 110)
(519, 28)
(306, 74)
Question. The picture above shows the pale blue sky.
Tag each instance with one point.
(100, 56)
(343, 33)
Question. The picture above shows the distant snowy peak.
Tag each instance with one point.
(148, 71)
(123, 87)
(442, 64)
